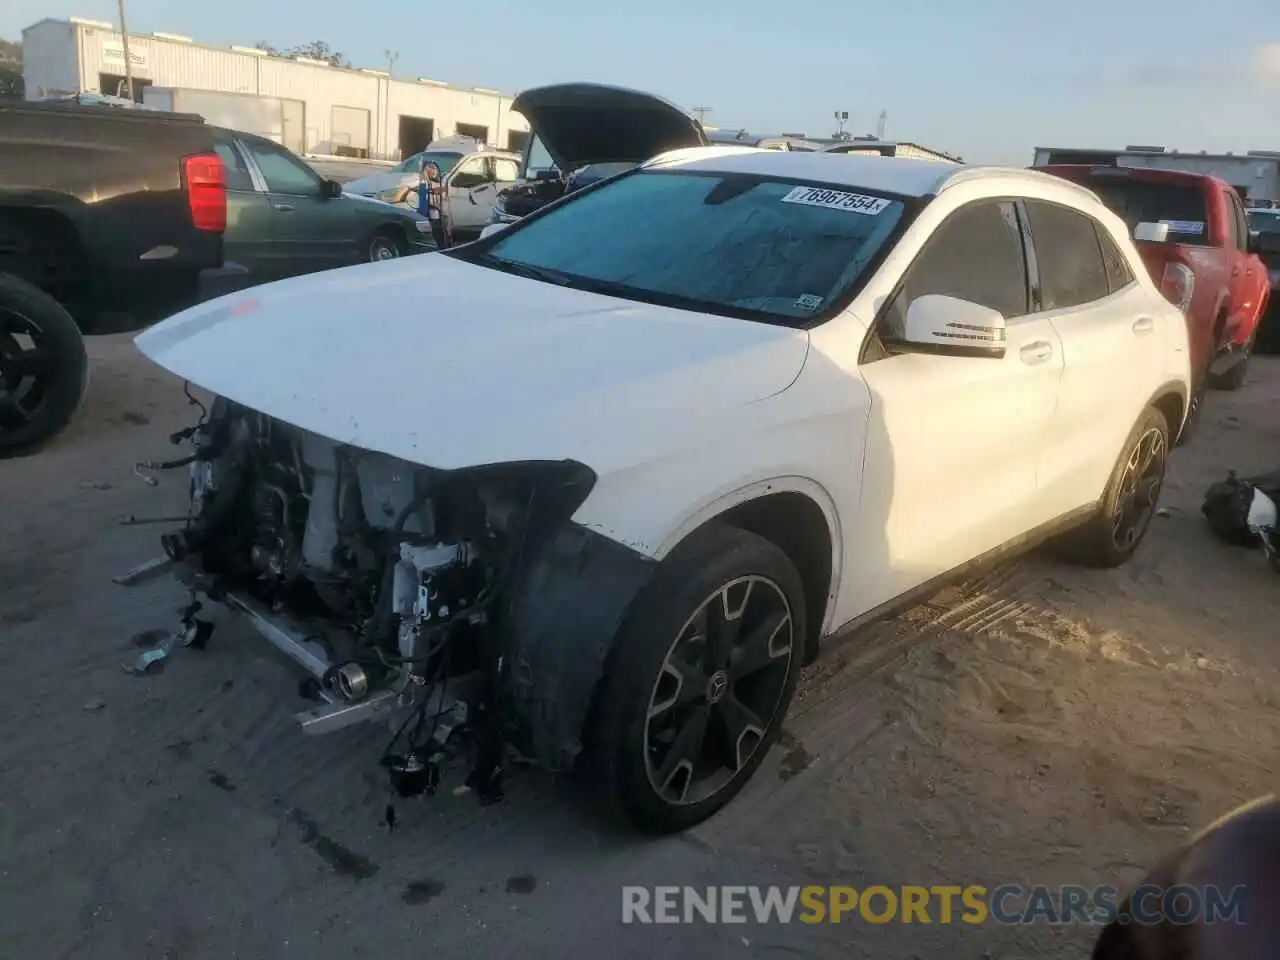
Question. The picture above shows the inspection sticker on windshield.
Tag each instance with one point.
(836, 200)
(808, 302)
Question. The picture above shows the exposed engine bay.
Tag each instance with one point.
(390, 583)
(522, 200)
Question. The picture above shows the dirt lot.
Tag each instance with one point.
(1043, 725)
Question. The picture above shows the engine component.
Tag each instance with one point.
(352, 682)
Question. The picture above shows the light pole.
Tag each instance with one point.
(392, 57)
(842, 117)
(124, 48)
(702, 114)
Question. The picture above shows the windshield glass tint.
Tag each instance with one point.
(444, 160)
(1135, 201)
(726, 243)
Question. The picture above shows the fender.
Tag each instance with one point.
(815, 491)
(568, 603)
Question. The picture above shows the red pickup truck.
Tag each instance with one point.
(1192, 234)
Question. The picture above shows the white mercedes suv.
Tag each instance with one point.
(595, 487)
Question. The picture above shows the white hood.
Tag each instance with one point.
(377, 182)
(448, 364)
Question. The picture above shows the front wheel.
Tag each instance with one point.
(385, 246)
(699, 681)
(44, 369)
(1110, 538)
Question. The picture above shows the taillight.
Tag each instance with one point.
(1178, 284)
(206, 184)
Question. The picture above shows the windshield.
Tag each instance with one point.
(1138, 201)
(733, 244)
(536, 159)
(444, 159)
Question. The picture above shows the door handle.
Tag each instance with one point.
(283, 207)
(1037, 352)
(1143, 325)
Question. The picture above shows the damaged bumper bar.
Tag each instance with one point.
(295, 641)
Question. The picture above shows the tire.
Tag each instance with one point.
(384, 245)
(1100, 542)
(36, 403)
(1233, 379)
(656, 654)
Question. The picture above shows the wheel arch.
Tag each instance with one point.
(1171, 400)
(796, 514)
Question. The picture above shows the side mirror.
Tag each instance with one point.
(953, 328)
(492, 228)
(331, 190)
(1151, 232)
(1265, 242)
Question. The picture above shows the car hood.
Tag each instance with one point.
(377, 182)
(447, 364)
(382, 207)
(583, 123)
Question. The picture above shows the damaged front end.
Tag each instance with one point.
(419, 596)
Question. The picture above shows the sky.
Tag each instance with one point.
(989, 80)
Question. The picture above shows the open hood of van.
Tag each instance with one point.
(581, 123)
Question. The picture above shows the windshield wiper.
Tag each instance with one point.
(526, 270)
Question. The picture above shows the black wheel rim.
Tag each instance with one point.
(1139, 489)
(27, 368)
(718, 690)
(383, 250)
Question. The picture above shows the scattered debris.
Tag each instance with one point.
(1164, 513)
(418, 892)
(522, 883)
(97, 703)
(1242, 512)
(192, 632)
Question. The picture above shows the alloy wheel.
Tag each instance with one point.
(27, 368)
(1139, 489)
(383, 249)
(719, 689)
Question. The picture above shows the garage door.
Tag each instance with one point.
(350, 126)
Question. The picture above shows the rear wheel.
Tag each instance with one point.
(43, 366)
(1129, 503)
(699, 680)
(385, 245)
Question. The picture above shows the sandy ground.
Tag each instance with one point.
(1043, 725)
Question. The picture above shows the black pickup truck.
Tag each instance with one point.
(109, 218)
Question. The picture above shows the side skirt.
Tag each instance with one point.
(917, 595)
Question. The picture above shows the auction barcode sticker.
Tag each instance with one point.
(836, 200)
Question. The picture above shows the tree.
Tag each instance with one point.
(315, 50)
(11, 86)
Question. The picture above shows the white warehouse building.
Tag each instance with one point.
(310, 106)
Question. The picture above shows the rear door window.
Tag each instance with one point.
(1119, 273)
(1069, 255)
(235, 169)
